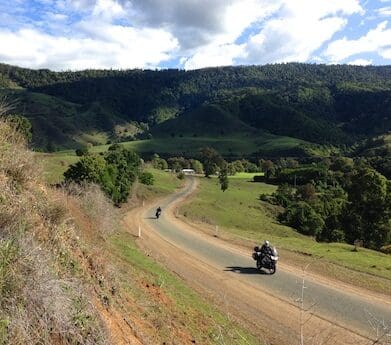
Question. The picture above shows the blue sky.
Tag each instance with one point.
(189, 34)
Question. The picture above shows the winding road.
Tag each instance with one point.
(270, 304)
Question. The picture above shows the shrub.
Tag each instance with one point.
(304, 218)
(146, 178)
(180, 175)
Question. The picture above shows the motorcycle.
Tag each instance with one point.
(157, 214)
(269, 262)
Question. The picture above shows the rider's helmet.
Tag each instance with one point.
(267, 244)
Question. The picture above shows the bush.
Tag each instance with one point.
(304, 218)
(180, 175)
(146, 178)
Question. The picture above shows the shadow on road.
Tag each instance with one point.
(243, 270)
(150, 218)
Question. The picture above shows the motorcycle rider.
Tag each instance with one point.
(266, 248)
(158, 212)
(266, 251)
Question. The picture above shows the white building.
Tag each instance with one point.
(188, 171)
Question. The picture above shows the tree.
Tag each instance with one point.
(115, 172)
(367, 215)
(330, 204)
(249, 167)
(196, 165)
(238, 166)
(159, 163)
(304, 218)
(268, 168)
(223, 177)
(123, 167)
(231, 169)
(211, 160)
(88, 168)
(307, 192)
(178, 163)
(343, 164)
(284, 195)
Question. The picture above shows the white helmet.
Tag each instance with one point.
(267, 244)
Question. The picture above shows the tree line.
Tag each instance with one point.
(335, 200)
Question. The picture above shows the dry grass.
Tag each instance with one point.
(99, 209)
(42, 300)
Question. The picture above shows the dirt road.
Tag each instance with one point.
(270, 305)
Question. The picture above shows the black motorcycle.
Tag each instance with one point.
(266, 261)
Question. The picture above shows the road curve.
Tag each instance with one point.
(350, 312)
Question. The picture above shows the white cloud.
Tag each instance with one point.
(360, 62)
(219, 49)
(384, 11)
(377, 41)
(108, 9)
(198, 23)
(301, 28)
(296, 30)
(130, 48)
(214, 55)
(86, 33)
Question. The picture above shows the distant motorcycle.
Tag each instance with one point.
(269, 262)
(158, 213)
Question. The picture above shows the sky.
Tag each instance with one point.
(190, 34)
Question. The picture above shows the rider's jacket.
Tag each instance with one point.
(266, 250)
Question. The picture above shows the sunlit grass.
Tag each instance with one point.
(240, 212)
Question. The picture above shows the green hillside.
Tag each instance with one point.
(333, 105)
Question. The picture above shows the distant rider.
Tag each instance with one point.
(158, 212)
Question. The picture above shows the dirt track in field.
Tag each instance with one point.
(267, 305)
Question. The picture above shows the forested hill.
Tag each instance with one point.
(317, 103)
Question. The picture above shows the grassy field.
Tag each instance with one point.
(164, 184)
(182, 306)
(232, 145)
(54, 165)
(239, 211)
(225, 145)
(245, 176)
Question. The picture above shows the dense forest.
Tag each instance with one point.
(321, 104)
